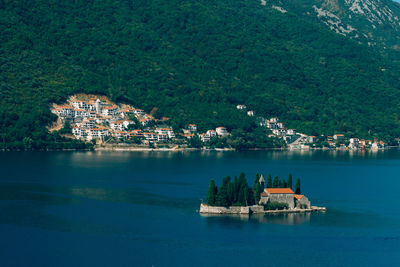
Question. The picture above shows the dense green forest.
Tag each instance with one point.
(192, 61)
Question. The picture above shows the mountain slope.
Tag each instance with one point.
(192, 61)
(372, 22)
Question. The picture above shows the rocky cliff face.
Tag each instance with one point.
(372, 22)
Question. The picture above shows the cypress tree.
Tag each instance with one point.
(284, 184)
(250, 199)
(298, 189)
(257, 192)
(269, 181)
(277, 182)
(242, 197)
(257, 180)
(289, 181)
(235, 190)
(211, 193)
(230, 194)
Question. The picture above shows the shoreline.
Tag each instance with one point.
(256, 209)
(187, 149)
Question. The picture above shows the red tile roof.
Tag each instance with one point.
(279, 191)
(298, 196)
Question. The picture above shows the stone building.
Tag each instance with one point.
(302, 202)
(262, 181)
(284, 195)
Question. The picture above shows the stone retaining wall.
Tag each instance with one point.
(204, 208)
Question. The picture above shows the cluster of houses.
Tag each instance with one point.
(296, 140)
(97, 118)
(277, 127)
(191, 131)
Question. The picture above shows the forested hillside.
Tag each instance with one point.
(192, 61)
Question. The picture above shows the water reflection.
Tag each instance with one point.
(283, 219)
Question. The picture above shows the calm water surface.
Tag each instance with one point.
(139, 209)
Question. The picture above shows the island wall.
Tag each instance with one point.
(256, 209)
(204, 208)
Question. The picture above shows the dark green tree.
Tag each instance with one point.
(257, 192)
(256, 181)
(212, 190)
(222, 198)
(284, 184)
(269, 181)
(298, 189)
(289, 181)
(277, 182)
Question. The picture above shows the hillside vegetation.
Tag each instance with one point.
(192, 61)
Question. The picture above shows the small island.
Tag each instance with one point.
(270, 196)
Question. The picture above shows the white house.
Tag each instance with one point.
(65, 111)
(99, 132)
(192, 127)
(250, 113)
(150, 137)
(87, 124)
(311, 139)
(274, 120)
(79, 104)
(291, 132)
(110, 111)
(221, 131)
(138, 112)
(241, 107)
(166, 131)
(161, 137)
(204, 137)
(338, 137)
(212, 133)
(117, 125)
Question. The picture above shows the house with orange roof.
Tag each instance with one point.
(65, 111)
(192, 127)
(166, 131)
(110, 111)
(338, 136)
(301, 201)
(311, 139)
(221, 131)
(284, 195)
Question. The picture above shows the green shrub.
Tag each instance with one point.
(276, 206)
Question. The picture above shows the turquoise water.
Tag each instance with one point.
(139, 209)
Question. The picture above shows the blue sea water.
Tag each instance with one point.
(140, 209)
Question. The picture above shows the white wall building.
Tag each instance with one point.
(221, 131)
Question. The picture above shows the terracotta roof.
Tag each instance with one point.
(298, 196)
(263, 194)
(279, 191)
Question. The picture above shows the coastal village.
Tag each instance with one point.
(300, 141)
(95, 118)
